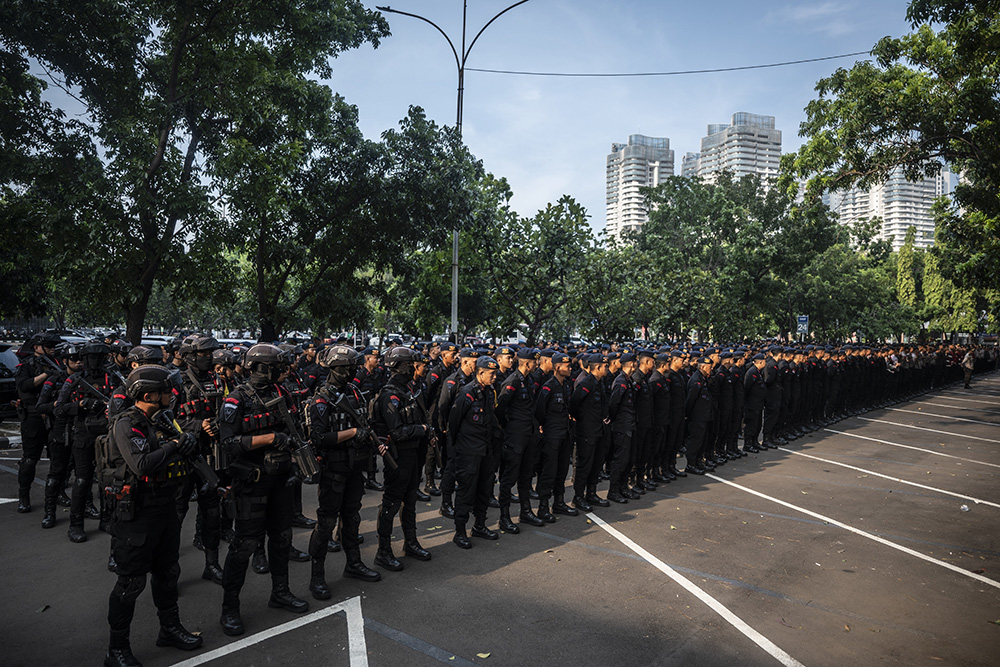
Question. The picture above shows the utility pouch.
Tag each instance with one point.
(124, 503)
(276, 462)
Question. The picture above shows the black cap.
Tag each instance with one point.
(505, 350)
(596, 358)
(759, 357)
(627, 357)
(488, 363)
(527, 353)
(560, 358)
(468, 353)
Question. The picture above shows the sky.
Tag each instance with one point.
(550, 136)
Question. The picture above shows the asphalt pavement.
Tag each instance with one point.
(874, 541)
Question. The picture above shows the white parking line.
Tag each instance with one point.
(895, 479)
(858, 531)
(919, 449)
(957, 407)
(932, 430)
(966, 400)
(357, 648)
(716, 606)
(932, 414)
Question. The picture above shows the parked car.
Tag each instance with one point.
(8, 390)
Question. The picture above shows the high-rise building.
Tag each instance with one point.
(643, 161)
(900, 204)
(748, 145)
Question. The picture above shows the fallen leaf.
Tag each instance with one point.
(804, 493)
(548, 551)
(41, 609)
(452, 658)
(673, 527)
(847, 628)
(482, 655)
(996, 622)
(589, 521)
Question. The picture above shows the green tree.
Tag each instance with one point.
(163, 84)
(533, 264)
(929, 96)
(906, 281)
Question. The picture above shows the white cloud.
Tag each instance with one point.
(833, 19)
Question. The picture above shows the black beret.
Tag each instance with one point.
(527, 353)
(560, 358)
(488, 363)
(468, 353)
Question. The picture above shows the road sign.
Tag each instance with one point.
(803, 327)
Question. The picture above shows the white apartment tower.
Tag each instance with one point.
(748, 145)
(643, 161)
(899, 203)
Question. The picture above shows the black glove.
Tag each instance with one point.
(187, 444)
(362, 434)
(89, 404)
(282, 441)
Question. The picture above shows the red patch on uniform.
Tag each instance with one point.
(393, 398)
(232, 400)
(585, 389)
(510, 387)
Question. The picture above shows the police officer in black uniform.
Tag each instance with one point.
(755, 396)
(589, 407)
(516, 405)
(197, 412)
(29, 377)
(259, 447)
(333, 417)
(556, 447)
(621, 412)
(399, 418)
(699, 413)
(88, 411)
(475, 433)
(148, 469)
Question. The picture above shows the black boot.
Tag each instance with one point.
(300, 520)
(559, 506)
(76, 532)
(423, 497)
(297, 555)
(384, 556)
(543, 512)
(506, 525)
(580, 503)
(317, 581)
(23, 502)
(447, 509)
(90, 511)
(282, 598)
(595, 499)
(431, 488)
(49, 520)
(461, 538)
(172, 633)
(63, 500)
(212, 571)
(333, 546)
(479, 529)
(231, 621)
(412, 548)
(356, 569)
(529, 517)
(615, 496)
(120, 652)
(259, 560)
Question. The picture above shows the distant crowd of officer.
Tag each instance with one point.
(240, 430)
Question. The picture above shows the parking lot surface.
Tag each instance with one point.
(874, 541)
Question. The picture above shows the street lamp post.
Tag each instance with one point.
(460, 64)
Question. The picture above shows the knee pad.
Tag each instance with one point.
(127, 589)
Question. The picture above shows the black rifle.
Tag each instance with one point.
(303, 454)
(165, 420)
(373, 442)
(77, 379)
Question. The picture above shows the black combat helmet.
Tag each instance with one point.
(194, 344)
(142, 354)
(150, 379)
(337, 356)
